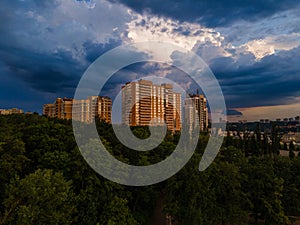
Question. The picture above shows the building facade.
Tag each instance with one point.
(80, 110)
(145, 103)
(195, 109)
(190, 115)
(11, 111)
(49, 110)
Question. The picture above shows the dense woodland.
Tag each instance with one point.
(45, 180)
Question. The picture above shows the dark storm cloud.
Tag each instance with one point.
(211, 13)
(56, 72)
(44, 50)
(94, 50)
(52, 72)
(30, 79)
(274, 80)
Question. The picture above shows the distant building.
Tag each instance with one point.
(84, 110)
(61, 108)
(172, 108)
(81, 110)
(288, 137)
(93, 106)
(190, 115)
(144, 102)
(66, 108)
(101, 107)
(11, 111)
(200, 105)
(265, 121)
(49, 110)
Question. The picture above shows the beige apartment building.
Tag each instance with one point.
(80, 110)
(144, 102)
(49, 110)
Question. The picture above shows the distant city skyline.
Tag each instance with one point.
(144, 103)
(18, 110)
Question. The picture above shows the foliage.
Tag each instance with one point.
(45, 180)
(43, 197)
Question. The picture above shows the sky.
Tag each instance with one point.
(251, 46)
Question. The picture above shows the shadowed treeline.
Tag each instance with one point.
(45, 180)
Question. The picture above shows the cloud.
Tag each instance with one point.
(272, 44)
(91, 4)
(211, 13)
(47, 45)
(53, 72)
(94, 50)
(273, 80)
(233, 112)
(44, 26)
(184, 34)
(279, 24)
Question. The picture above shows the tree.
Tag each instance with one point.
(188, 198)
(291, 150)
(274, 209)
(12, 162)
(117, 213)
(291, 154)
(275, 140)
(231, 202)
(266, 192)
(40, 198)
(292, 146)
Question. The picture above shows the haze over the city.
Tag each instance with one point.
(252, 47)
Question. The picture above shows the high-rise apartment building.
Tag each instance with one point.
(49, 110)
(144, 102)
(61, 108)
(195, 108)
(103, 108)
(66, 108)
(80, 110)
(190, 115)
(172, 108)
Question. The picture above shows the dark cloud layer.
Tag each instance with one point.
(56, 72)
(274, 80)
(44, 52)
(52, 72)
(211, 13)
(94, 50)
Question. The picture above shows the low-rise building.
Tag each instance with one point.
(11, 111)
